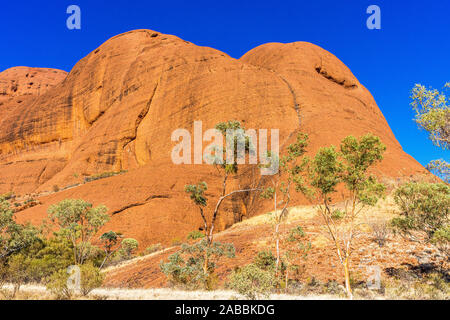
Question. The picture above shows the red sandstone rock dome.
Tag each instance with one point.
(118, 106)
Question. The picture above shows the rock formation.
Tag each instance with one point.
(117, 108)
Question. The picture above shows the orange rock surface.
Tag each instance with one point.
(117, 108)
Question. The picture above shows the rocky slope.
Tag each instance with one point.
(117, 108)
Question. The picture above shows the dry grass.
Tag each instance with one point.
(38, 292)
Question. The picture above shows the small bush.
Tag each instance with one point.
(57, 284)
(91, 278)
(253, 282)
(194, 235)
(425, 213)
(380, 232)
(265, 260)
(337, 214)
(129, 246)
(185, 268)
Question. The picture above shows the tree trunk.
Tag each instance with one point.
(348, 287)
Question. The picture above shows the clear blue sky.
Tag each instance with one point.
(413, 45)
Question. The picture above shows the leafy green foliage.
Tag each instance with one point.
(185, 268)
(425, 212)
(129, 246)
(432, 113)
(234, 141)
(78, 221)
(48, 256)
(91, 278)
(265, 260)
(325, 171)
(291, 167)
(197, 193)
(13, 236)
(57, 284)
(194, 235)
(110, 244)
(350, 168)
(16, 273)
(440, 168)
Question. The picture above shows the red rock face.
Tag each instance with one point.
(117, 109)
(24, 81)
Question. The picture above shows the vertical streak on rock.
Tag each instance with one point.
(294, 96)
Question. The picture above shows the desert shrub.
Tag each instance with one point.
(380, 231)
(265, 260)
(16, 273)
(433, 286)
(128, 247)
(194, 235)
(337, 214)
(187, 268)
(91, 278)
(55, 188)
(57, 284)
(253, 282)
(425, 213)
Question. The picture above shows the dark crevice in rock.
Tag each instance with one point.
(294, 96)
(327, 76)
(138, 204)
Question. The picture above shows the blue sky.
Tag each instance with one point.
(413, 45)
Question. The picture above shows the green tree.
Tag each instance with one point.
(433, 115)
(17, 271)
(239, 145)
(49, 255)
(349, 167)
(110, 244)
(78, 221)
(13, 236)
(440, 168)
(291, 166)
